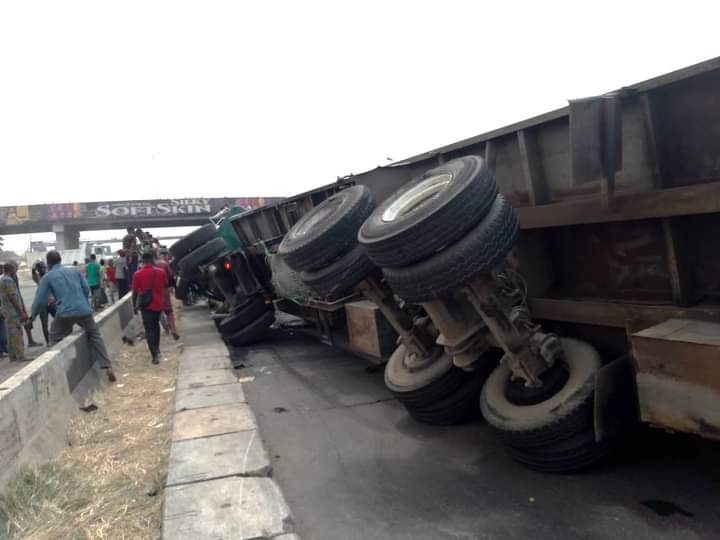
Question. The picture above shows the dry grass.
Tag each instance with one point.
(108, 484)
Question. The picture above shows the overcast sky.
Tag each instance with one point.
(117, 100)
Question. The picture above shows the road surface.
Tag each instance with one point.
(352, 466)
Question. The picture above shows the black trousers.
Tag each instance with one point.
(151, 322)
(122, 285)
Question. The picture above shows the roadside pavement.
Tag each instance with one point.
(219, 482)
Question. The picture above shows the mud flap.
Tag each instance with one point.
(616, 404)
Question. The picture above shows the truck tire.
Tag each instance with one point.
(205, 253)
(328, 230)
(440, 394)
(555, 434)
(182, 288)
(575, 454)
(429, 212)
(340, 275)
(243, 315)
(253, 332)
(192, 241)
(286, 282)
(460, 406)
(479, 251)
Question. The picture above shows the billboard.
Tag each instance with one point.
(107, 210)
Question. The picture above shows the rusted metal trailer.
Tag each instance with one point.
(618, 203)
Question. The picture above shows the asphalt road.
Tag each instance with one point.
(353, 465)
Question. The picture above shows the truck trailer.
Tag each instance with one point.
(556, 275)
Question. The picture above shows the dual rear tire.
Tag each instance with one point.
(322, 246)
(441, 230)
(439, 393)
(554, 433)
(248, 323)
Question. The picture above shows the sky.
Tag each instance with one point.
(129, 100)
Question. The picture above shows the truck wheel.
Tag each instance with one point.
(340, 275)
(193, 240)
(555, 431)
(573, 455)
(253, 332)
(437, 394)
(328, 230)
(243, 315)
(205, 253)
(287, 282)
(429, 212)
(478, 252)
(182, 288)
(460, 406)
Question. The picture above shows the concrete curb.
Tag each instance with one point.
(37, 402)
(219, 482)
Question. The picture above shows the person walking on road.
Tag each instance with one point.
(122, 274)
(92, 274)
(13, 311)
(71, 291)
(147, 286)
(102, 300)
(111, 281)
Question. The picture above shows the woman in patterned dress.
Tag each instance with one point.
(13, 312)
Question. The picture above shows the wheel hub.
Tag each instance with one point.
(414, 362)
(415, 197)
(553, 380)
(319, 215)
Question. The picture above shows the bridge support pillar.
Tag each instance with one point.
(66, 237)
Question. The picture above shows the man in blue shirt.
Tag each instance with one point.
(70, 291)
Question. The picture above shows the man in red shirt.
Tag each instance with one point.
(148, 285)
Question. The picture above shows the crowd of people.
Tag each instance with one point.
(70, 295)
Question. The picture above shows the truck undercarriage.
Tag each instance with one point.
(554, 274)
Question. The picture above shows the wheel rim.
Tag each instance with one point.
(416, 196)
(583, 361)
(319, 214)
(554, 380)
(402, 379)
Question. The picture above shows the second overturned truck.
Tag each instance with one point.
(555, 275)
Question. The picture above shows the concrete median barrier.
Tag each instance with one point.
(37, 402)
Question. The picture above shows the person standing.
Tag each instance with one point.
(121, 274)
(39, 269)
(71, 291)
(3, 337)
(168, 317)
(147, 286)
(13, 311)
(92, 274)
(130, 247)
(28, 325)
(111, 281)
(101, 292)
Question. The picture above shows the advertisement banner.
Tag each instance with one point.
(156, 209)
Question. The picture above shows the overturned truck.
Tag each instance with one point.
(556, 275)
